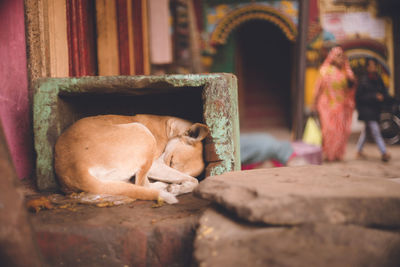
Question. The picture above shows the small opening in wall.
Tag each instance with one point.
(185, 103)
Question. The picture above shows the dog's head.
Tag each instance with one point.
(185, 152)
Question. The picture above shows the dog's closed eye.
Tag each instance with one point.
(133, 178)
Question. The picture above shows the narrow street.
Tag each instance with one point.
(372, 166)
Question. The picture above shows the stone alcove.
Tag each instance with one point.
(212, 99)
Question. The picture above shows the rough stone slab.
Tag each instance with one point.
(222, 241)
(128, 235)
(211, 98)
(308, 194)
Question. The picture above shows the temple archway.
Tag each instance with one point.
(242, 15)
(256, 43)
(359, 50)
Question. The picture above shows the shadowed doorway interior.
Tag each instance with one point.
(263, 58)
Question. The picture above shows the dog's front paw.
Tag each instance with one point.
(168, 197)
(179, 189)
(160, 186)
(174, 189)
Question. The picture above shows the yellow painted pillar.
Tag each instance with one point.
(311, 78)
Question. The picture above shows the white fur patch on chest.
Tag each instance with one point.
(105, 174)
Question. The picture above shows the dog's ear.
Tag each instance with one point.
(176, 127)
(196, 133)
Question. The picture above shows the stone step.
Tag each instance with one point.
(299, 216)
(135, 234)
(307, 194)
(222, 240)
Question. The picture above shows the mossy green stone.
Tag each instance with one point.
(212, 98)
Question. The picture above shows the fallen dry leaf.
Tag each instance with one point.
(105, 204)
(160, 203)
(38, 204)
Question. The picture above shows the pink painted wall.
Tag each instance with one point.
(14, 103)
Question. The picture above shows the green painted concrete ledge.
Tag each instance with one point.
(211, 98)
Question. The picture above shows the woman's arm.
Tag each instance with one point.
(382, 89)
(351, 79)
(317, 93)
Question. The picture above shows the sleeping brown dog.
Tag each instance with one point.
(101, 154)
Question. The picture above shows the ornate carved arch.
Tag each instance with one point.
(261, 12)
(365, 48)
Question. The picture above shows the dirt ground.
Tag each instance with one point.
(372, 166)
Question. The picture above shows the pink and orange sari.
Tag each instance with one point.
(335, 105)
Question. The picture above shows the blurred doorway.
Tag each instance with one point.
(263, 65)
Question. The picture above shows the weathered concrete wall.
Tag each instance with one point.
(14, 101)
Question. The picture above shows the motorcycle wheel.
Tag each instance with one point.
(390, 128)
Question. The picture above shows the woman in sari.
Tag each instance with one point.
(334, 101)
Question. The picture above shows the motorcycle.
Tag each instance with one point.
(390, 121)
